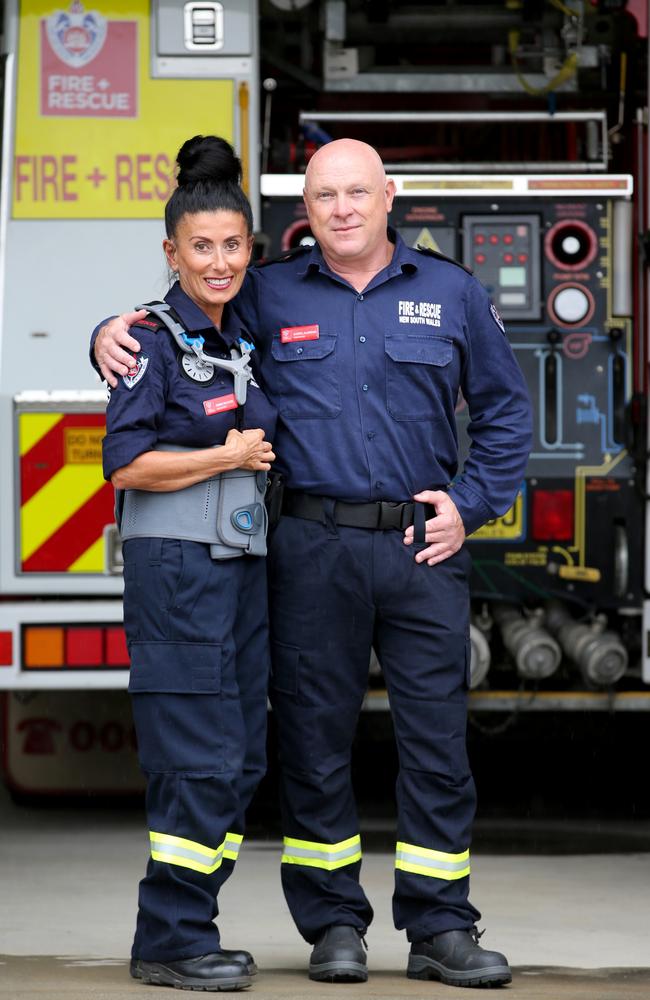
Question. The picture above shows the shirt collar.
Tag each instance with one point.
(404, 260)
(195, 320)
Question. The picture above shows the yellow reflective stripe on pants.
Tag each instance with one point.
(231, 845)
(190, 854)
(311, 854)
(435, 864)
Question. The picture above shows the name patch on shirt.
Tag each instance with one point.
(220, 404)
(419, 313)
(291, 334)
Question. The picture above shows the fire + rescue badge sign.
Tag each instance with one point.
(88, 64)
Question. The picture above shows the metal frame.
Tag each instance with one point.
(478, 185)
(459, 117)
(538, 701)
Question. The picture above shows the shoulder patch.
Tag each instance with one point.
(441, 256)
(282, 258)
(494, 313)
(136, 373)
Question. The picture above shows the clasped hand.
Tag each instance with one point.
(249, 450)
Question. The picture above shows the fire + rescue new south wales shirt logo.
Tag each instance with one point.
(419, 313)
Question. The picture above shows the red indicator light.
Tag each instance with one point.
(508, 258)
(6, 649)
(552, 515)
(480, 258)
(494, 239)
(522, 258)
(84, 647)
(507, 238)
(479, 239)
(117, 655)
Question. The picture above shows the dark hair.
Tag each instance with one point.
(209, 174)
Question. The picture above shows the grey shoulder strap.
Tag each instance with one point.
(163, 311)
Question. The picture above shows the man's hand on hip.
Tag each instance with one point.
(445, 532)
(112, 344)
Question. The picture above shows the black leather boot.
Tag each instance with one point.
(339, 956)
(211, 973)
(242, 958)
(456, 958)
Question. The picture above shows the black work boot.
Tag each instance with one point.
(211, 973)
(339, 956)
(456, 958)
(242, 958)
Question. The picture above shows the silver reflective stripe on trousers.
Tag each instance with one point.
(434, 864)
(312, 854)
(190, 854)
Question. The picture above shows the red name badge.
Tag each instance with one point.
(220, 404)
(291, 334)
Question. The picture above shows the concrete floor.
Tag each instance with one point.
(572, 926)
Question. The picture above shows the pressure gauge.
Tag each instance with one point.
(195, 369)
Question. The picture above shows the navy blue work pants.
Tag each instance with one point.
(334, 592)
(198, 638)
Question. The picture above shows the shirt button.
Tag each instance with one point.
(361, 298)
(364, 387)
(370, 435)
(299, 350)
(378, 485)
(362, 340)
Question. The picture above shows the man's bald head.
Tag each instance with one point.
(348, 198)
(347, 155)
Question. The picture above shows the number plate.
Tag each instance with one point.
(509, 527)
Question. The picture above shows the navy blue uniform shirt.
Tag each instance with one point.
(366, 384)
(160, 404)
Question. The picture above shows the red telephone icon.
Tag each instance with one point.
(39, 737)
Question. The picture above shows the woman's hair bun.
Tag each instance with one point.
(207, 158)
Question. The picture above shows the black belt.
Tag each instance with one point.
(380, 515)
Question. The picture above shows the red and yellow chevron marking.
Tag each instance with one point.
(64, 500)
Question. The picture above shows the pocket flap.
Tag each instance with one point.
(284, 667)
(176, 667)
(419, 350)
(304, 350)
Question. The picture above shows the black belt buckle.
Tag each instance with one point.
(394, 515)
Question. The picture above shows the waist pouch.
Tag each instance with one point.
(227, 512)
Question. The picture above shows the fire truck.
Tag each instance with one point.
(517, 135)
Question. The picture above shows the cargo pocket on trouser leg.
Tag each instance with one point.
(175, 689)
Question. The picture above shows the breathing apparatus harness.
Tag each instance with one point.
(227, 511)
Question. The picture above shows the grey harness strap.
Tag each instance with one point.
(238, 365)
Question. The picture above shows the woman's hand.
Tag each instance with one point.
(248, 450)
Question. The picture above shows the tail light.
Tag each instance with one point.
(552, 515)
(6, 649)
(73, 647)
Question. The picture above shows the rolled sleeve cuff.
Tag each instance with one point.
(472, 508)
(122, 447)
